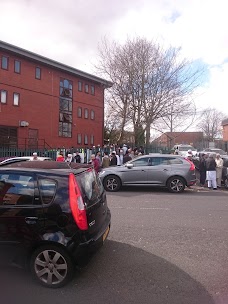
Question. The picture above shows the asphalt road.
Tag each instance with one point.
(162, 248)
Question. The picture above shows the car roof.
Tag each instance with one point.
(39, 166)
(24, 158)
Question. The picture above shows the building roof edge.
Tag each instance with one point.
(39, 58)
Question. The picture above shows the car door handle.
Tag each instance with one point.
(31, 220)
(165, 169)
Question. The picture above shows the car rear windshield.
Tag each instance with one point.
(91, 186)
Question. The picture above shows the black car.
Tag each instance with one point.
(50, 214)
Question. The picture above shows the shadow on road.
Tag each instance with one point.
(117, 274)
(189, 191)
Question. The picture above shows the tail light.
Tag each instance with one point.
(192, 166)
(76, 204)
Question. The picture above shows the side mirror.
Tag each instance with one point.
(129, 166)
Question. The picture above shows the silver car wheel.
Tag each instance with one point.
(112, 183)
(50, 267)
(176, 185)
(226, 183)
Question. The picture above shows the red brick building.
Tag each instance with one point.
(44, 102)
(225, 130)
(169, 139)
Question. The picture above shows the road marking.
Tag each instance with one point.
(141, 208)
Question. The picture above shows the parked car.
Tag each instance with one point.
(50, 213)
(22, 159)
(183, 149)
(171, 171)
(214, 151)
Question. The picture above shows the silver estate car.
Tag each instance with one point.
(171, 171)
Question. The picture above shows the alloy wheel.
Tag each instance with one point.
(50, 267)
(176, 185)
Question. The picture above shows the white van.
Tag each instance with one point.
(183, 149)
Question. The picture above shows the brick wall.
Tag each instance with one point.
(39, 103)
(225, 132)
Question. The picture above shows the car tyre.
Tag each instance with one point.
(112, 183)
(226, 183)
(51, 266)
(176, 184)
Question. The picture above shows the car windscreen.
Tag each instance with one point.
(91, 186)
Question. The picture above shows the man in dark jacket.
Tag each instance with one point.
(77, 158)
(211, 172)
(126, 158)
(113, 161)
(202, 169)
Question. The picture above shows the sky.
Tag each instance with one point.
(70, 31)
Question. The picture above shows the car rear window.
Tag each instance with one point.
(90, 186)
(47, 190)
(16, 189)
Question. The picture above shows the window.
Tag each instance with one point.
(38, 73)
(79, 138)
(3, 96)
(16, 99)
(86, 113)
(79, 112)
(92, 139)
(66, 88)
(92, 88)
(64, 117)
(5, 62)
(86, 88)
(16, 189)
(141, 162)
(65, 108)
(92, 114)
(47, 189)
(90, 186)
(17, 66)
(65, 129)
(79, 86)
(86, 140)
(171, 161)
(65, 105)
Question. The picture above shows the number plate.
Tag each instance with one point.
(105, 234)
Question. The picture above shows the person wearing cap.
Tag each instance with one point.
(211, 172)
(69, 158)
(35, 157)
(219, 166)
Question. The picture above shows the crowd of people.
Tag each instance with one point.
(210, 167)
(210, 170)
(115, 157)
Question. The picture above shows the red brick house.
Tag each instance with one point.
(46, 102)
(169, 139)
(225, 130)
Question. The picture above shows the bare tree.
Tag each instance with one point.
(147, 81)
(210, 123)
